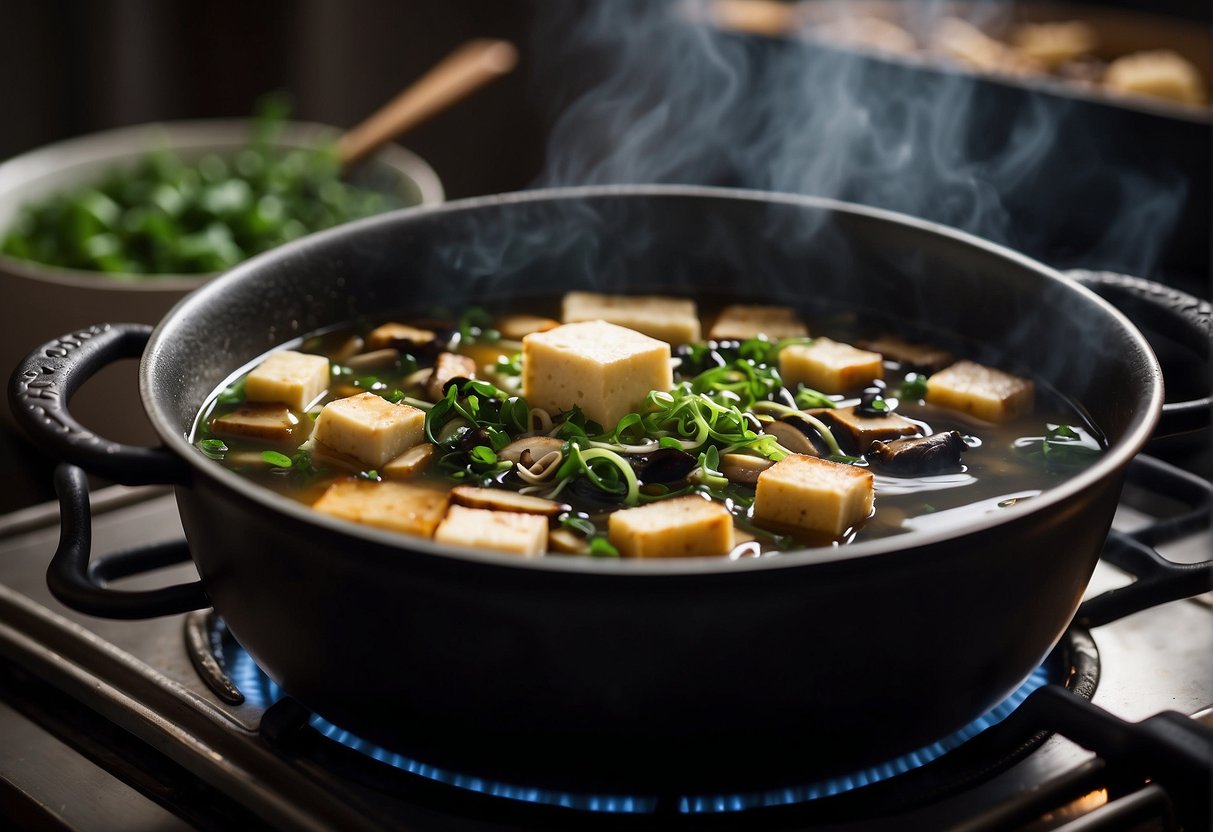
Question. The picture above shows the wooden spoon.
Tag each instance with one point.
(459, 74)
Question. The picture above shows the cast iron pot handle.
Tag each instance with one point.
(43, 384)
(82, 586)
(1187, 319)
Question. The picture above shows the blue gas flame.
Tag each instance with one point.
(260, 691)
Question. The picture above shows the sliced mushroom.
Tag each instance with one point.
(376, 358)
(401, 336)
(448, 367)
(410, 463)
(270, 420)
(567, 543)
(743, 468)
(540, 470)
(498, 499)
(795, 435)
(539, 447)
(348, 349)
(920, 457)
(855, 431)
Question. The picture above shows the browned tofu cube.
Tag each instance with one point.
(502, 531)
(370, 428)
(855, 431)
(272, 421)
(829, 366)
(604, 369)
(924, 357)
(387, 505)
(682, 527)
(982, 391)
(805, 493)
(294, 378)
(673, 320)
(741, 321)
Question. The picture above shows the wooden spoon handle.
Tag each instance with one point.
(460, 73)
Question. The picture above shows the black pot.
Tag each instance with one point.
(636, 673)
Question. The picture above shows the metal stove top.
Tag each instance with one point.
(107, 724)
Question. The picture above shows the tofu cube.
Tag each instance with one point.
(602, 368)
(396, 506)
(272, 421)
(829, 366)
(370, 428)
(856, 432)
(982, 391)
(805, 493)
(502, 531)
(683, 527)
(294, 378)
(1159, 73)
(673, 320)
(739, 322)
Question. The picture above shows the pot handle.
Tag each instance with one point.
(43, 384)
(82, 586)
(1183, 317)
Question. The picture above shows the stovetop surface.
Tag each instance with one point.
(138, 675)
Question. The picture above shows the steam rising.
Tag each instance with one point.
(648, 92)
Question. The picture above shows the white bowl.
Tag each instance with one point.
(40, 302)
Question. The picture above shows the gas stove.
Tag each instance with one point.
(167, 723)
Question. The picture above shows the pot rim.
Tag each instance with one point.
(122, 145)
(1111, 462)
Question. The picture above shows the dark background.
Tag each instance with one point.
(70, 67)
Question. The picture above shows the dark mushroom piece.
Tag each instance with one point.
(797, 435)
(663, 465)
(855, 430)
(447, 368)
(922, 456)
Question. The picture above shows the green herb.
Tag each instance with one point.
(807, 398)
(482, 455)
(233, 394)
(708, 473)
(914, 387)
(164, 215)
(214, 448)
(509, 366)
(278, 460)
(476, 326)
(1062, 446)
(578, 523)
(600, 547)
